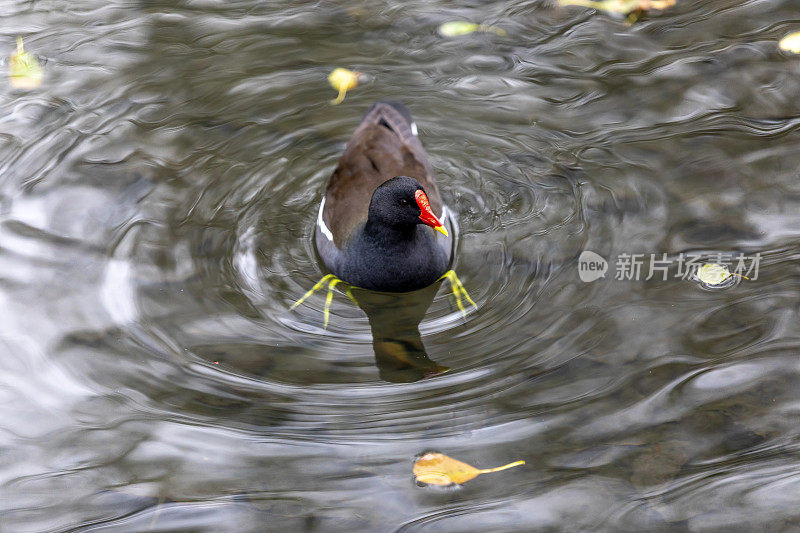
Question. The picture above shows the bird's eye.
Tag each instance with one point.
(403, 201)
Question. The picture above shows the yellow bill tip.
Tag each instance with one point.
(441, 230)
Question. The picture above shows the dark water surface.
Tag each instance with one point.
(157, 201)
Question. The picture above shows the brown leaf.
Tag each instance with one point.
(439, 469)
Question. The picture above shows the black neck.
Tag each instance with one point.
(389, 236)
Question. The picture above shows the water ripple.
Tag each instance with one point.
(156, 217)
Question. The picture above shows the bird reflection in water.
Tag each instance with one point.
(394, 319)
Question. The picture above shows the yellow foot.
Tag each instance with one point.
(458, 290)
(331, 281)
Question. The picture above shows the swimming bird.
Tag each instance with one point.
(382, 224)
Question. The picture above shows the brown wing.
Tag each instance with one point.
(382, 147)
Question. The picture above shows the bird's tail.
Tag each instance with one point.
(392, 115)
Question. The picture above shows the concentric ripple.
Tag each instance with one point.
(157, 204)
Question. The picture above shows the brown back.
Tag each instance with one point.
(374, 154)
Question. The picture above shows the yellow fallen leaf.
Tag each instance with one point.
(713, 274)
(24, 70)
(439, 469)
(343, 80)
(620, 7)
(460, 27)
(790, 43)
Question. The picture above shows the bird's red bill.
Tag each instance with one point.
(426, 213)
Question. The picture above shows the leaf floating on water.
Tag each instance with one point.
(343, 80)
(439, 469)
(456, 28)
(461, 27)
(713, 274)
(790, 43)
(24, 70)
(620, 7)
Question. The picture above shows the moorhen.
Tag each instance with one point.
(375, 227)
(377, 223)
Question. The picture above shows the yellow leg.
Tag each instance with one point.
(328, 299)
(331, 281)
(458, 291)
(350, 295)
(314, 289)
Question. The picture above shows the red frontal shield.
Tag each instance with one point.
(426, 213)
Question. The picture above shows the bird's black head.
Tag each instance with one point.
(402, 202)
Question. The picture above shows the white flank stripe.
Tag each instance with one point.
(321, 224)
